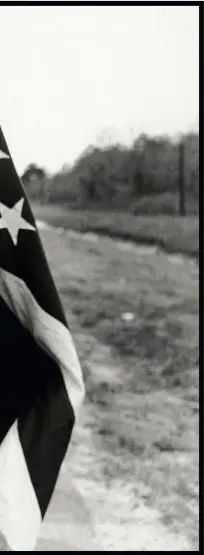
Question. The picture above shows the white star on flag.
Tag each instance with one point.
(12, 220)
(3, 155)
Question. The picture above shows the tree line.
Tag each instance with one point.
(143, 177)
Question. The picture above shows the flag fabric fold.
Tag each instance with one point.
(42, 385)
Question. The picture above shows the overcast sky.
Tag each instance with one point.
(71, 76)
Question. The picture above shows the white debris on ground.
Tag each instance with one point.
(127, 317)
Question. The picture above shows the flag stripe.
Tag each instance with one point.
(3, 155)
(26, 370)
(48, 332)
(33, 391)
(45, 427)
(45, 431)
(20, 516)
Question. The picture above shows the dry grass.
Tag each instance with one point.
(172, 233)
(142, 376)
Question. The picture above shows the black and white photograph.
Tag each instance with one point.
(99, 276)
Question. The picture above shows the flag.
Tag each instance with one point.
(41, 383)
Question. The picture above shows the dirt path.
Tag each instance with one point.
(89, 514)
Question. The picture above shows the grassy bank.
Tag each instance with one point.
(171, 233)
(141, 375)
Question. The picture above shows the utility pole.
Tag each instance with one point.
(140, 169)
(181, 180)
(140, 185)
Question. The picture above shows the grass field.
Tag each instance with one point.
(172, 233)
(141, 375)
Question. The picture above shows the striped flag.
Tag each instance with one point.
(41, 384)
